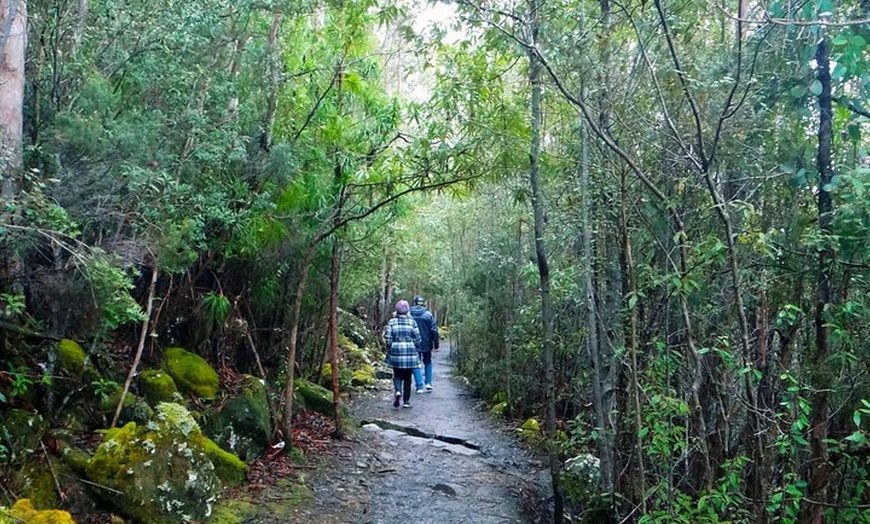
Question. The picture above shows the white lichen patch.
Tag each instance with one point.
(177, 417)
(149, 446)
(192, 477)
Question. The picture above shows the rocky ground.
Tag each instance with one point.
(444, 460)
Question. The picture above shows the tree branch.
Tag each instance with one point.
(853, 106)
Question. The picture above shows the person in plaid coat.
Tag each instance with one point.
(403, 343)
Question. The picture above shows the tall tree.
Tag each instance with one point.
(818, 473)
(547, 349)
(13, 42)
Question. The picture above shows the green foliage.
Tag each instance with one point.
(12, 304)
(19, 379)
(110, 288)
(215, 308)
(104, 388)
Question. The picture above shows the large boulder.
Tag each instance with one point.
(192, 374)
(162, 472)
(243, 425)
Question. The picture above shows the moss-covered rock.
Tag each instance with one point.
(75, 458)
(229, 468)
(313, 397)
(24, 512)
(35, 482)
(192, 374)
(22, 431)
(157, 386)
(158, 473)
(70, 357)
(244, 424)
(364, 377)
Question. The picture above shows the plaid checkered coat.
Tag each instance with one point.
(403, 339)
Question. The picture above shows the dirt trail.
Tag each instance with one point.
(469, 470)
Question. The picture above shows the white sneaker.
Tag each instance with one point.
(428, 387)
(421, 390)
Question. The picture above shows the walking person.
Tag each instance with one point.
(403, 342)
(429, 342)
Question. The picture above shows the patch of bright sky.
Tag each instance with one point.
(426, 16)
(441, 13)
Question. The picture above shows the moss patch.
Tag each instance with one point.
(24, 512)
(364, 377)
(278, 502)
(157, 386)
(313, 397)
(35, 483)
(191, 372)
(70, 357)
(134, 409)
(228, 467)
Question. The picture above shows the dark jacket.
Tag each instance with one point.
(428, 328)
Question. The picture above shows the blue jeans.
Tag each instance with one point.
(427, 369)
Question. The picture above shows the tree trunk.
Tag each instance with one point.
(290, 342)
(819, 473)
(81, 24)
(543, 267)
(274, 72)
(593, 346)
(639, 486)
(334, 279)
(13, 42)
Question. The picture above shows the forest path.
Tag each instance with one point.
(383, 475)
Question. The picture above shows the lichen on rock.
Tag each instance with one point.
(22, 432)
(160, 472)
(243, 425)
